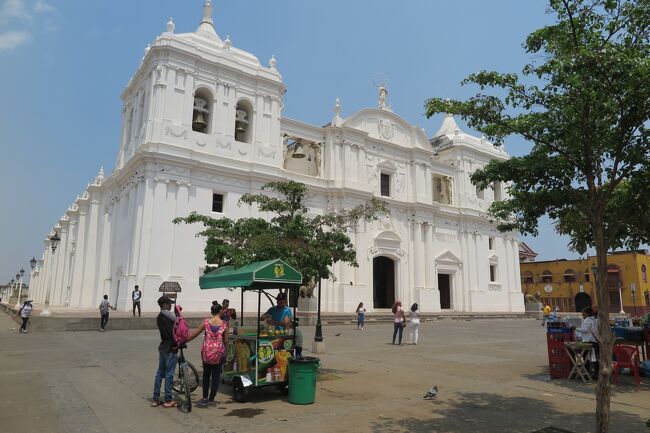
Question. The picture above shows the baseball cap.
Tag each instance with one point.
(164, 299)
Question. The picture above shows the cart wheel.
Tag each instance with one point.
(239, 392)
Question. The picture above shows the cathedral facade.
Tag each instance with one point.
(203, 125)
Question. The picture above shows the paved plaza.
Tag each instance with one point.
(492, 376)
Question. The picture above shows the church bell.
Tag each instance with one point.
(198, 124)
(298, 151)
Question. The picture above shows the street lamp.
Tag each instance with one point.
(32, 264)
(20, 286)
(11, 288)
(54, 240)
(319, 345)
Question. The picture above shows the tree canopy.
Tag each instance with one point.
(583, 102)
(310, 243)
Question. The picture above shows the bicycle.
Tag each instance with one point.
(192, 378)
(183, 382)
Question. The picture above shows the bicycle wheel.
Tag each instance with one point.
(192, 379)
(185, 389)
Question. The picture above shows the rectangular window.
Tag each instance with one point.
(493, 273)
(491, 243)
(385, 185)
(217, 203)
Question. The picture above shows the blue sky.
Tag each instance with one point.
(65, 63)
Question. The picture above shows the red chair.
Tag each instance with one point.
(626, 357)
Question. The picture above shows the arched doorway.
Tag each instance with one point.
(582, 300)
(383, 282)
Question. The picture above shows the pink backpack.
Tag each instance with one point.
(213, 349)
(181, 328)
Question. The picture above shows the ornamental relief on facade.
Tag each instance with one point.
(386, 129)
(400, 182)
(181, 133)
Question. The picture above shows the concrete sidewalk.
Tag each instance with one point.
(68, 319)
(492, 376)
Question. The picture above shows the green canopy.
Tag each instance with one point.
(264, 274)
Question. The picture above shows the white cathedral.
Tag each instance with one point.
(203, 125)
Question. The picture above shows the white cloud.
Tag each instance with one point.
(11, 40)
(42, 6)
(14, 9)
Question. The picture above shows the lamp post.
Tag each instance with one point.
(11, 288)
(633, 290)
(319, 345)
(32, 264)
(20, 286)
(54, 239)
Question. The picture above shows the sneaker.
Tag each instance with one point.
(212, 403)
(202, 403)
(101, 330)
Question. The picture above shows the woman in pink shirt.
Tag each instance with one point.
(398, 321)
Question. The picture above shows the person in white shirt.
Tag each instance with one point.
(588, 333)
(136, 296)
(414, 324)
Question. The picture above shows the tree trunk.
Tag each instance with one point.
(606, 337)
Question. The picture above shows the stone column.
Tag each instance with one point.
(419, 270)
(80, 258)
(83, 296)
(429, 259)
(61, 260)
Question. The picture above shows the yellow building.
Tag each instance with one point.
(570, 285)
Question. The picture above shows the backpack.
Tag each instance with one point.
(181, 331)
(213, 349)
(103, 307)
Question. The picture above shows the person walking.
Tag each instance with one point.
(136, 295)
(213, 353)
(361, 316)
(546, 312)
(414, 324)
(104, 308)
(25, 312)
(166, 354)
(398, 321)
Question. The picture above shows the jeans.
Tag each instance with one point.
(414, 330)
(211, 379)
(23, 327)
(360, 319)
(166, 365)
(397, 328)
(104, 321)
(136, 304)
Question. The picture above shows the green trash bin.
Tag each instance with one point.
(303, 372)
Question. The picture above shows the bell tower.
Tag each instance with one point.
(196, 91)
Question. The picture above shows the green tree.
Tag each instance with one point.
(584, 103)
(310, 243)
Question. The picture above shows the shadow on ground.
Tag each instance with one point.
(485, 412)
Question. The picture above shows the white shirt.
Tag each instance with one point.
(588, 331)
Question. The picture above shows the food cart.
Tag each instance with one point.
(257, 355)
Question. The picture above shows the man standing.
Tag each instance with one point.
(166, 353)
(104, 307)
(136, 295)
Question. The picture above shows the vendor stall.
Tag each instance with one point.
(257, 354)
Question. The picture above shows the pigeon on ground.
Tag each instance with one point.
(432, 393)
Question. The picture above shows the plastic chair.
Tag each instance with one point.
(626, 357)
